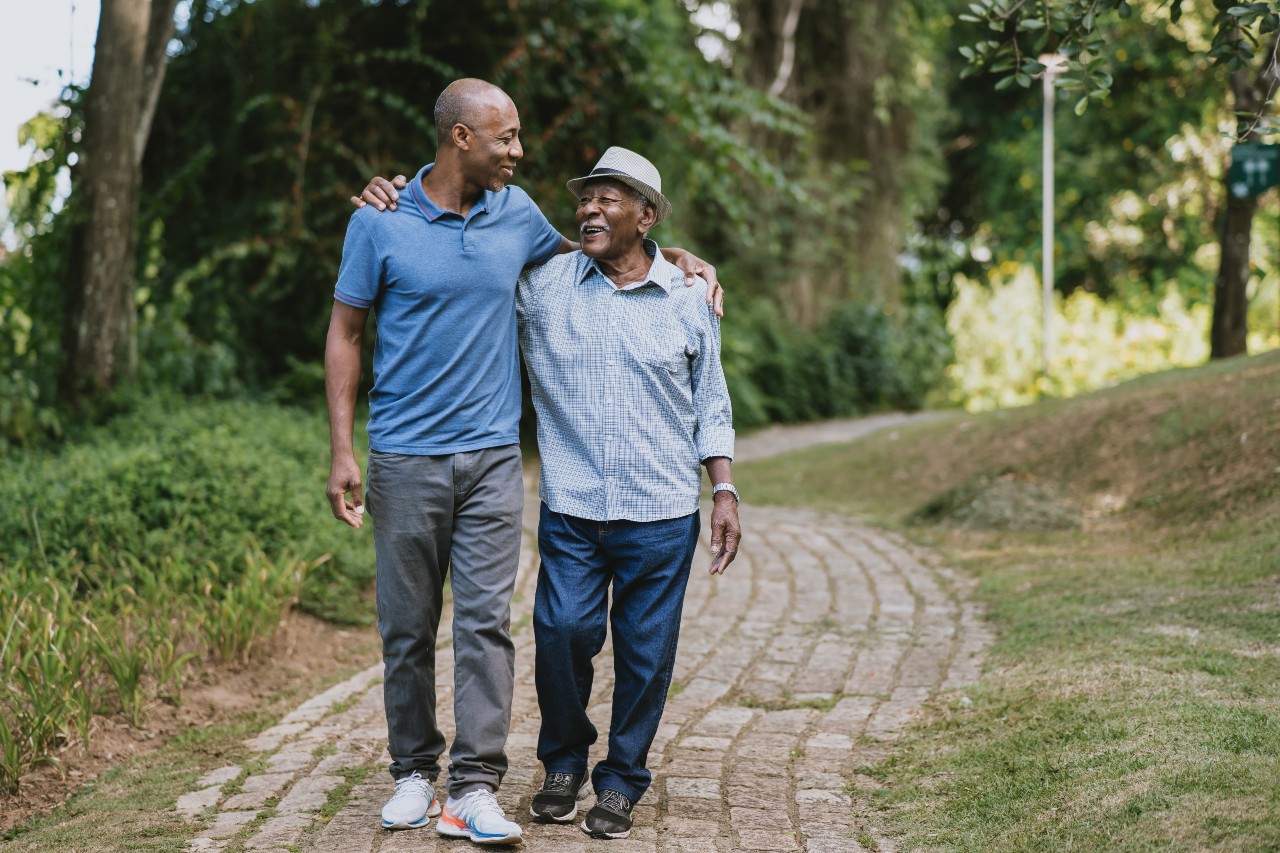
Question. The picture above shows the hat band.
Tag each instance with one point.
(607, 171)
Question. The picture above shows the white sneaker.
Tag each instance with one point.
(412, 805)
(479, 817)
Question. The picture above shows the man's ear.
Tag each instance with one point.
(648, 217)
(462, 136)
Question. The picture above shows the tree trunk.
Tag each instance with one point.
(829, 57)
(1228, 334)
(128, 69)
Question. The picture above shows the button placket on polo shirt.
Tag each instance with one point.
(468, 246)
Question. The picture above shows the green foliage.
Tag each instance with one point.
(30, 298)
(275, 111)
(189, 484)
(1077, 31)
(176, 533)
(1137, 183)
(998, 334)
(246, 184)
(858, 359)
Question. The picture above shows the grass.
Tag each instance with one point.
(787, 702)
(131, 807)
(1132, 698)
(176, 534)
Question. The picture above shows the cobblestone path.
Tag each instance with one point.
(795, 669)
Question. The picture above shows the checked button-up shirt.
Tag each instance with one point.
(627, 386)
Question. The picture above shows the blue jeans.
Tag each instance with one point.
(647, 563)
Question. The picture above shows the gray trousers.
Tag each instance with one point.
(433, 515)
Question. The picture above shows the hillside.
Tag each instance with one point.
(1127, 554)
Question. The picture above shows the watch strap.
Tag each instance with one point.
(726, 487)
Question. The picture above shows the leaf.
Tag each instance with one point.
(1024, 80)
(1082, 105)
(1003, 83)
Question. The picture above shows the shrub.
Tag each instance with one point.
(859, 358)
(180, 530)
(187, 482)
(997, 333)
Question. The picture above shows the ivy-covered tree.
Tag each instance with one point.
(862, 73)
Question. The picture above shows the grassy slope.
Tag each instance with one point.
(1131, 700)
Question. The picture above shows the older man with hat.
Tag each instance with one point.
(624, 364)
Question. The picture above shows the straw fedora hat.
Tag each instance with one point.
(628, 167)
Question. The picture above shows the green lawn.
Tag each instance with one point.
(1127, 547)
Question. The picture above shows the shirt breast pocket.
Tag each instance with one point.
(663, 348)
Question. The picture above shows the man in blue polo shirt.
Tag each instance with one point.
(444, 465)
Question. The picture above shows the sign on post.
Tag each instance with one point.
(1255, 168)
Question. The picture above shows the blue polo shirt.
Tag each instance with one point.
(446, 378)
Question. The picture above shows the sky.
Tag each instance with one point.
(43, 45)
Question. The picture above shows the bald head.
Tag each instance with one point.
(467, 101)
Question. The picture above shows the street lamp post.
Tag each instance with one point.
(1054, 64)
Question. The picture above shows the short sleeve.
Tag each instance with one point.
(360, 274)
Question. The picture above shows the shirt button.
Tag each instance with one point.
(608, 438)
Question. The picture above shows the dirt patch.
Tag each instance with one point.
(305, 652)
(1010, 501)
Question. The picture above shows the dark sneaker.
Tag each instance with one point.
(557, 802)
(610, 817)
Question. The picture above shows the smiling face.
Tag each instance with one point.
(490, 146)
(611, 222)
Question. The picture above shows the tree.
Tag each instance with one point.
(858, 69)
(1244, 39)
(275, 111)
(128, 70)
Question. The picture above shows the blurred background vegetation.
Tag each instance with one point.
(872, 206)
(862, 197)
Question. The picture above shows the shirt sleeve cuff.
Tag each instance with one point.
(353, 301)
(715, 442)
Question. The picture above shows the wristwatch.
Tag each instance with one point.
(726, 487)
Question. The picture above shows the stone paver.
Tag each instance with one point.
(795, 670)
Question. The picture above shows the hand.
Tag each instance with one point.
(344, 478)
(381, 193)
(693, 266)
(726, 532)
